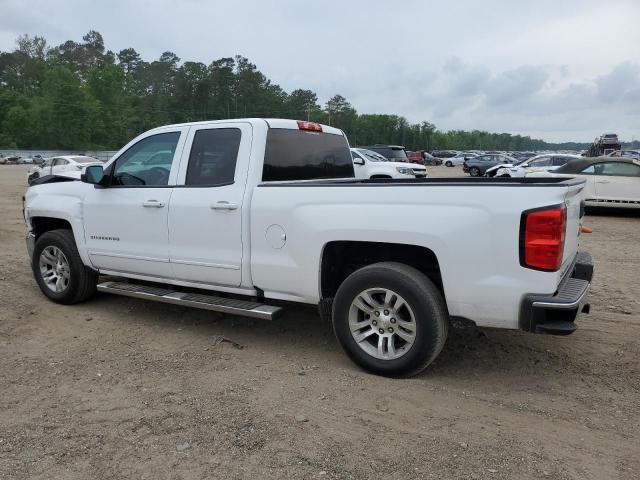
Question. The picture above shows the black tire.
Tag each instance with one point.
(449, 164)
(82, 280)
(424, 298)
(474, 171)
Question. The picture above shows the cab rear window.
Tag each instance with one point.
(303, 155)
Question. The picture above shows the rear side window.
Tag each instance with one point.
(303, 155)
(541, 162)
(213, 157)
(619, 169)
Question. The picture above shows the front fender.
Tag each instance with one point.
(59, 201)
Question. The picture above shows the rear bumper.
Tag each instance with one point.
(556, 314)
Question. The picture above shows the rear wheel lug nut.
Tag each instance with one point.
(381, 330)
(377, 313)
(390, 330)
(386, 312)
(375, 322)
(393, 320)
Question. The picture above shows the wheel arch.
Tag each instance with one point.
(341, 258)
(45, 223)
(40, 225)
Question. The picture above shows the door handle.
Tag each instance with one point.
(153, 204)
(604, 181)
(224, 205)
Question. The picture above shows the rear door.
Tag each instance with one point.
(617, 181)
(205, 213)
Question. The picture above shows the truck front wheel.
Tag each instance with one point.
(58, 268)
(390, 319)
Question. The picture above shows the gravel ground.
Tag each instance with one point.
(122, 388)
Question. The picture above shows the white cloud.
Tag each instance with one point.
(560, 70)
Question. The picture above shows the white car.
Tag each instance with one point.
(265, 211)
(63, 165)
(458, 159)
(610, 182)
(369, 164)
(538, 163)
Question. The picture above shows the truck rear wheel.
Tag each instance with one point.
(390, 319)
(58, 268)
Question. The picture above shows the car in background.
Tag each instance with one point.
(458, 159)
(521, 156)
(61, 165)
(431, 160)
(477, 166)
(548, 161)
(37, 159)
(610, 182)
(393, 153)
(423, 158)
(415, 157)
(13, 160)
(369, 164)
(444, 153)
(633, 154)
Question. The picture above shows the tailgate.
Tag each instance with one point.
(574, 202)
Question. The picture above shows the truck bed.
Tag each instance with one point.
(465, 181)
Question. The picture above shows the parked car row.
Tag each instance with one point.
(535, 164)
(56, 165)
(18, 160)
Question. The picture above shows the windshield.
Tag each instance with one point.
(372, 156)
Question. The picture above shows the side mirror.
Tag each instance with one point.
(93, 174)
(358, 161)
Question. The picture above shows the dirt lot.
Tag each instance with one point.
(121, 388)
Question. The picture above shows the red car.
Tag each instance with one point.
(415, 157)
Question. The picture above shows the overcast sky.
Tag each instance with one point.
(552, 69)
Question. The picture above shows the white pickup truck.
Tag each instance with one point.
(246, 216)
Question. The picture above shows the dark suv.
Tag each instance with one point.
(393, 153)
(478, 166)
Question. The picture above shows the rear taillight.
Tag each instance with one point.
(542, 234)
(310, 126)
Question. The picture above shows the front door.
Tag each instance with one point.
(126, 222)
(206, 209)
(58, 165)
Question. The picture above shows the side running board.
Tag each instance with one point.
(196, 300)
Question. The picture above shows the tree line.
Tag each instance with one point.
(79, 95)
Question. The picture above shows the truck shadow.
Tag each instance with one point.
(303, 337)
